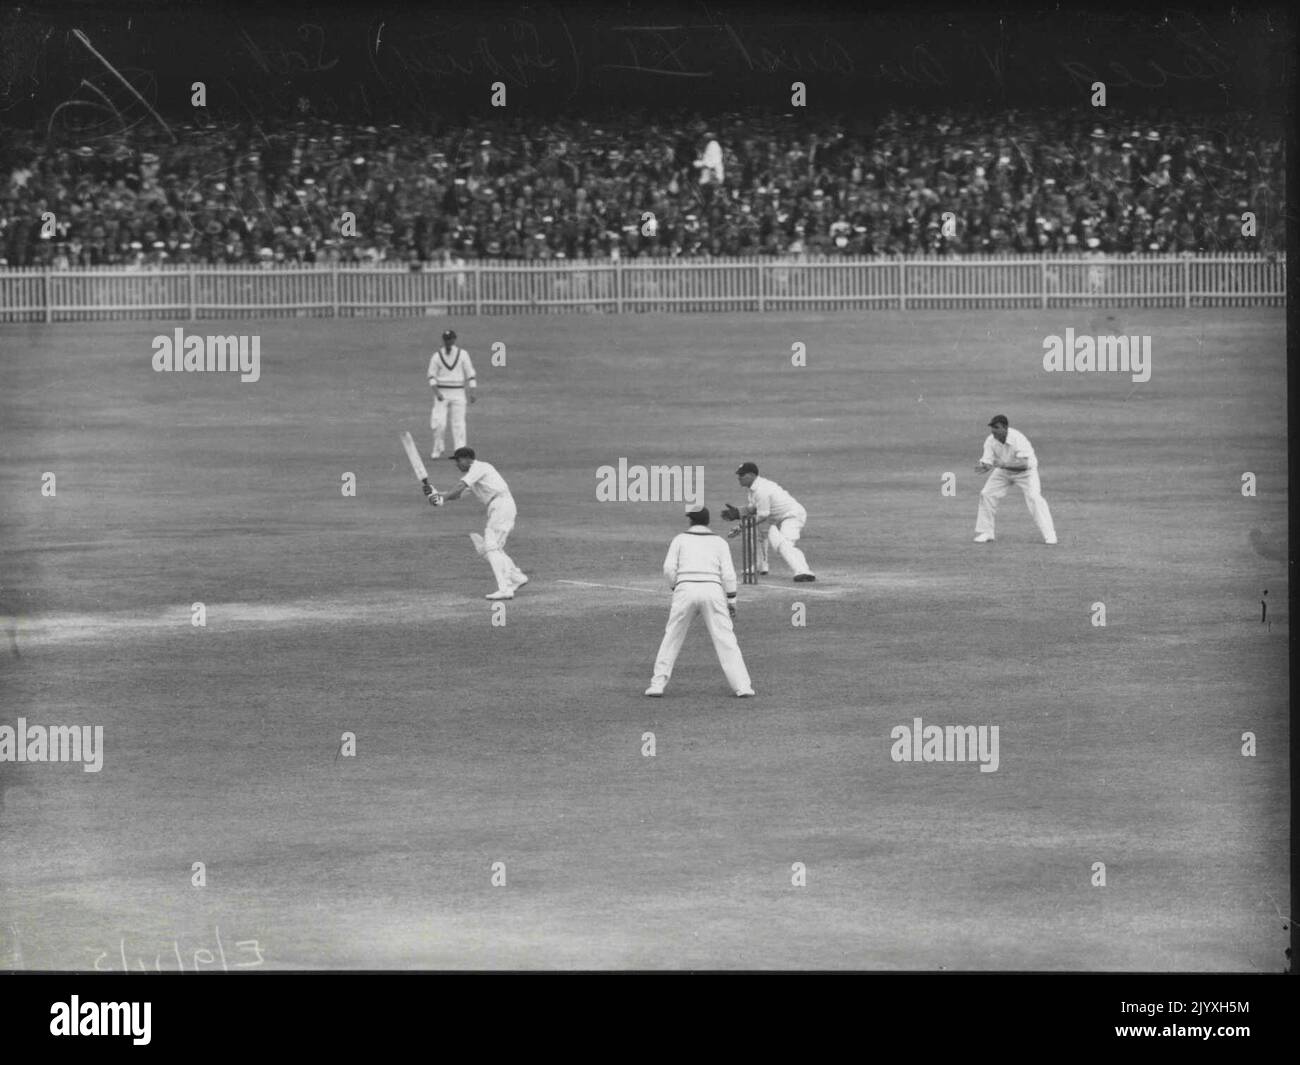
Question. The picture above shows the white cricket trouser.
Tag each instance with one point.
(501, 515)
(998, 484)
(783, 537)
(707, 598)
(450, 407)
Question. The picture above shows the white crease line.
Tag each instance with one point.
(801, 588)
(656, 591)
(616, 587)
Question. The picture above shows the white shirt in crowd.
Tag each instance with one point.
(710, 164)
(1017, 451)
(772, 501)
(699, 554)
(484, 481)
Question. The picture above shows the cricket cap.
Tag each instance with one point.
(747, 467)
(999, 419)
(462, 453)
(449, 334)
(698, 513)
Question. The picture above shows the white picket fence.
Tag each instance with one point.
(34, 294)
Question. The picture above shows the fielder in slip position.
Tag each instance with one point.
(771, 503)
(1010, 455)
(703, 580)
(482, 479)
(451, 376)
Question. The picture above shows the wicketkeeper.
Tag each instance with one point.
(769, 502)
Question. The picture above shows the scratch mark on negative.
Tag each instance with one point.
(129, 87)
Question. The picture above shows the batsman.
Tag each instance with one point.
(482, 479)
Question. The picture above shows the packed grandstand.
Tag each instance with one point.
(900, 183)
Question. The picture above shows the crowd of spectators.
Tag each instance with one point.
(776, 185)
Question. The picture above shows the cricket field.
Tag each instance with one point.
(507, 797)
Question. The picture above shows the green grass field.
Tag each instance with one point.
(522, 743)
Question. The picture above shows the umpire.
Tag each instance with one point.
(703, 580)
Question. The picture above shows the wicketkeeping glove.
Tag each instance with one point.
(730, 513)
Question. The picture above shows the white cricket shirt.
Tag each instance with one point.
(484, 481)
(770, 500)
(451, 369)
(700, 555)
(1017, 451)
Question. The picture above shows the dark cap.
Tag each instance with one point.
(462, 453)
(999, 419)
(747, 467)
(449, 334)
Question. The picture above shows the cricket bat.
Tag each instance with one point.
(417, 463)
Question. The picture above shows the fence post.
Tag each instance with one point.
(762, 303)
(1187, 280)
(618, 285)
(45, 289)
(1042, 278)
(902, 283)
(334, 289)
(478, 289)
(192, 300)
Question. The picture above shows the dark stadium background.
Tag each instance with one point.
(402, 63)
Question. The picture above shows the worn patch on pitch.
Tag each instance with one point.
(41, 629)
